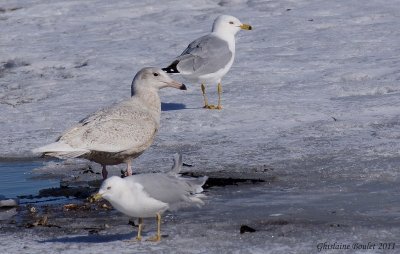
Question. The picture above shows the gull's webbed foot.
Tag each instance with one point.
(134, 240)
(219, 107)
(138, 238)
(155, 238)
(209, 106)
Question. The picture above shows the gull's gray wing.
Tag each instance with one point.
(176, 191)
(208, 54)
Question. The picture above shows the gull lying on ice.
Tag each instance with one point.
(209, 58)
(121, 132)
(149, 195)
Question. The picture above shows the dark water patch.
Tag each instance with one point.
(16, 179)
(32, 159)
(92, 238)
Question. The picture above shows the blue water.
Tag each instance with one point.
(16, 179)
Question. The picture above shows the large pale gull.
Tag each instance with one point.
(121, 132)
(149, 195)
(209, 58)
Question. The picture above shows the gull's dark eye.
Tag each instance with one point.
(155, 74)
(231, 22)
(109, 187)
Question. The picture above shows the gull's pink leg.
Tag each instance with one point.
(128, 171)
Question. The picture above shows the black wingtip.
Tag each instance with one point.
(183, 87)
(172, 68)
(167, 70)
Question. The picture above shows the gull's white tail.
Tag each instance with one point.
(177, 167)
(60, 150)
(196, 189)
(194, 185)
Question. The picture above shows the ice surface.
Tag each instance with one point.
(313, 93)
(286, 220)
(315, 85)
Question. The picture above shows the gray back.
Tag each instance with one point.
(208, 54)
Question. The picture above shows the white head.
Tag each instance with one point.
(151, 78)
(111, 188)
(229, 24)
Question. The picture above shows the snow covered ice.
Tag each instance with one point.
(312, 98)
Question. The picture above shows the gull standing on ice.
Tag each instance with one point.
(149, 195)
(119, 133)
(209, 58)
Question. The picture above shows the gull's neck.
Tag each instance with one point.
(149, 97)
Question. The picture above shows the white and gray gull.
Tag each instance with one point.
(149, 195)
(209, 58)
(121, 132)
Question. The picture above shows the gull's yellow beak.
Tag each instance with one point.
(246, 27)
(97, 196)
